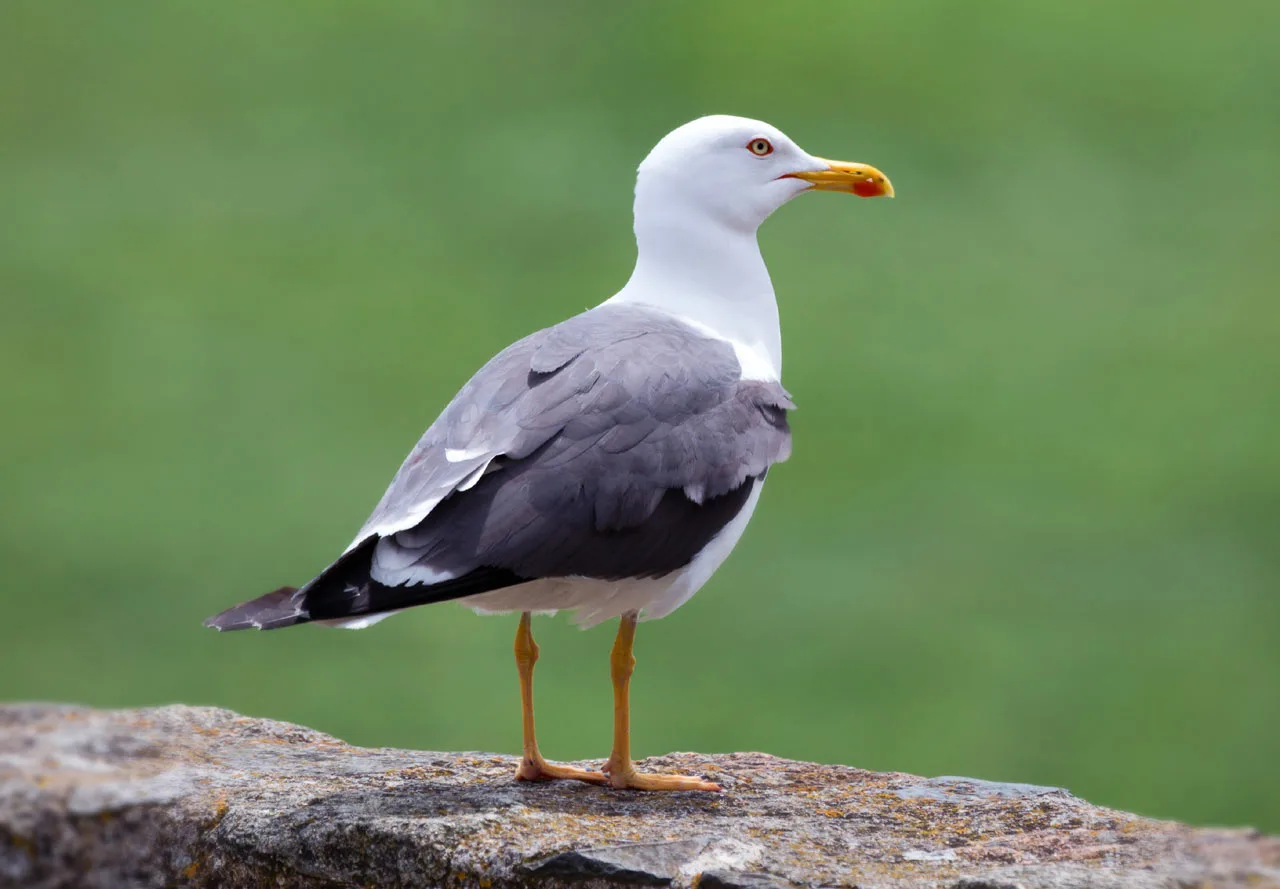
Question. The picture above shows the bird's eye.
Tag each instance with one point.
(760, 147)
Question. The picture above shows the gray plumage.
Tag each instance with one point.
(614, 445)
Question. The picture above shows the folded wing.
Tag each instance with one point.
(613, 445)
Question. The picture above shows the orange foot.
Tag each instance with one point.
(627, 778)
(540, 770)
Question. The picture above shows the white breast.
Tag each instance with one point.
(753, 358)
(689, 580)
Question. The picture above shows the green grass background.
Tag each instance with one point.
(1031, 530)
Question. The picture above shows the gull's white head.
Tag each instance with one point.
(700, 196)
(738, 171)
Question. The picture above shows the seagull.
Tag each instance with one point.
(606, 465)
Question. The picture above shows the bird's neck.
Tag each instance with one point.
(708, 273)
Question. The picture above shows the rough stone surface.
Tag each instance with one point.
(189, 796)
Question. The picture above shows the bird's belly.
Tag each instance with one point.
(595, 600)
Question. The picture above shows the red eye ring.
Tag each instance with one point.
(760, 147)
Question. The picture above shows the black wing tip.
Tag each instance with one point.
(267, 612)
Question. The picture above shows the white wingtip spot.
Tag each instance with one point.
(358, 623)
(457, 455)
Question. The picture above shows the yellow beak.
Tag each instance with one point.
(863, 180)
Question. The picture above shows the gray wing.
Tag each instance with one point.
(615, 444)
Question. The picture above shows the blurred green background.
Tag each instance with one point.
(1031, 530)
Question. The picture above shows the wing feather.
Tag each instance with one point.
(625, 419)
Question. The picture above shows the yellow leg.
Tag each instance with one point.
(622, 772)
(533, 767)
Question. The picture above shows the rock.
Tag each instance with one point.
(190, 796)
